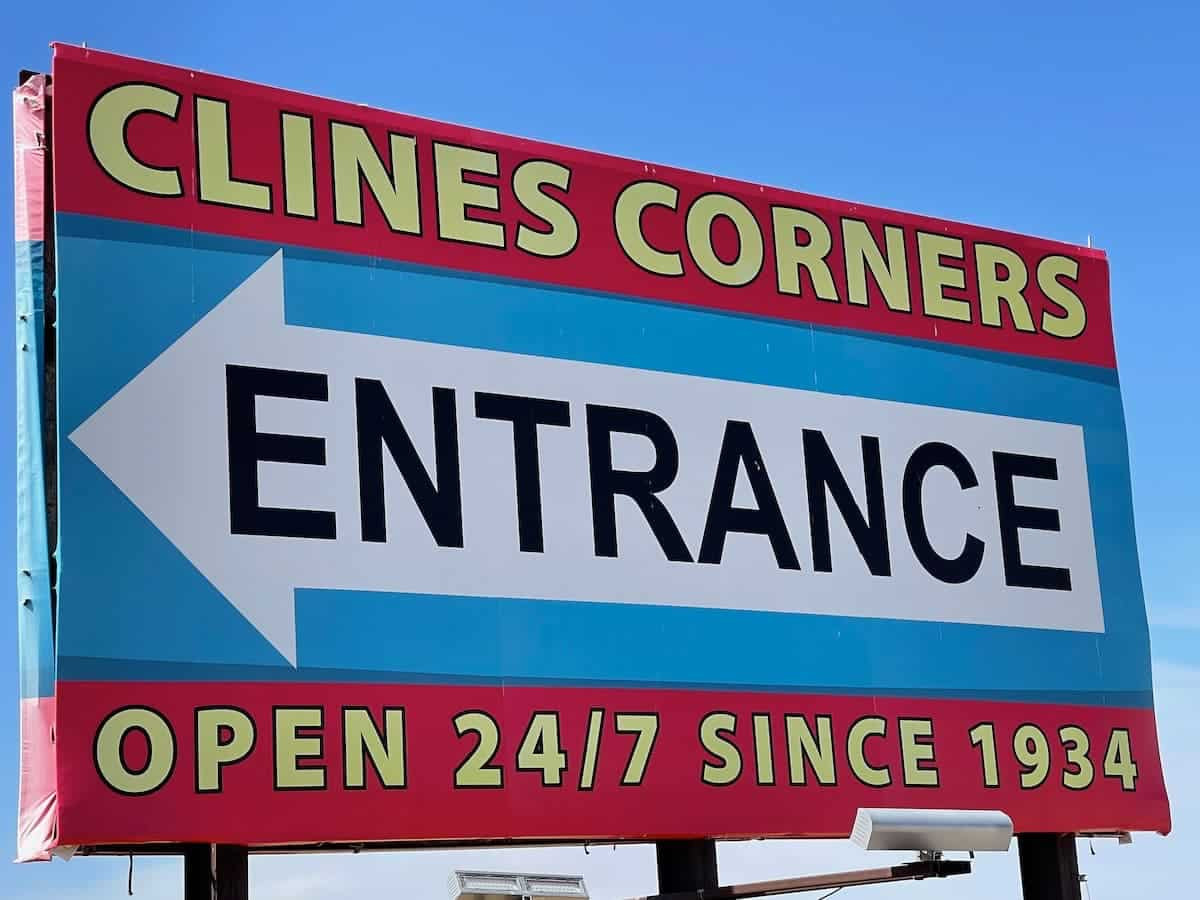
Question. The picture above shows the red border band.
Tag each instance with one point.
(1057, 768)
(597, 261)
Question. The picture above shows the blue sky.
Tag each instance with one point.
(1063, 120)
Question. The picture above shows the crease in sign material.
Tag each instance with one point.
(456, 513)
(627, 490)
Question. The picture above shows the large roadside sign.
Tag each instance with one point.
(423, 484)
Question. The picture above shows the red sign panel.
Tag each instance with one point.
(424, 484)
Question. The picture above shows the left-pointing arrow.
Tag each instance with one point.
(162, 440)
(395, 416)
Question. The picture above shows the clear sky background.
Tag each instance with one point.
(1058, 119)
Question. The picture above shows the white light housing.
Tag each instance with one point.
(506, 886)
(932, 829)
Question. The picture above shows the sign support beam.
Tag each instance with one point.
(216, 872)
(915, 871)
(1049, 867)
(686, 865)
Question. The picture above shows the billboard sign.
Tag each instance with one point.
(419, 483)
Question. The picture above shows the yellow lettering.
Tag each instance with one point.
(299, 175)
(361, 740)
(1079, 772)
(700, 217)
(160, 740)
(107, 123)
(214, 161)
(936, 276)
(631, 203)
(455, 195)
(212, 753)
(915, 749)
(994, 290)
(478, 770)
(1074, 319)
(817, 749)
(355, 160)
(764, 760)
(291, 747)
(713, 729)
(790, 255)
(872, 776)
(645, 726)
(563, 235)
(890, 273)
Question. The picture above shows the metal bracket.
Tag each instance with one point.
(916, 871)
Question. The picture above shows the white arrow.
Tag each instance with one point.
(163, 440)
(159, 439)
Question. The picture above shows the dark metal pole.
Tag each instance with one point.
(1049, 867)
(220, 872)
(686, 865)
(197, 872)
(233, 873)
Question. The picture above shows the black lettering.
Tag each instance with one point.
(739, 449)
(821, 473)
(1014, 517)
(378, 424)
(248, 447)
(525, 414)
(963, 567)
(641, 487)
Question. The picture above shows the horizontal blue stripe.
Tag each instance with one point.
(176, 277)
(75, 668)
(98, 228)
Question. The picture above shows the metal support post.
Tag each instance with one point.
(1049, 867)
(215, 872)
(686, 865)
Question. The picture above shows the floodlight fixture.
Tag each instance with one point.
(932, 830)
(515, 886)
